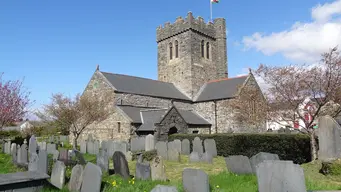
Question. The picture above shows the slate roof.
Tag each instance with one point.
(144, 86)
(150, 117)
(193, 118)
(133, 112)
(220, 89)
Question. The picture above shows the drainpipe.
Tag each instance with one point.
(215, 117)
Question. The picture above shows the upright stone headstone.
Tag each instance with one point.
(96, 147)
(129, 156)
(23, 151)
(195, 180)
(63, 154)
(260, 157)
(177, 145)
(121, 165)
(55, 155)
(142, 171)
(42, 161)
(185, 147)
(173, 155)
(161, 148)
(76, 179)
(58, 174)
(18, 158)
(238, 164)
(280, 176)
(120, 146)
(163, 188)
(137, 144)
(14, 153)
(90, 137)
(207, 158)
(43, 146)
(80, 158)
(8, 147)
(50, 148)
(211, 147)
(158, 170)
(194, 157)
(329, 139)
(3, 147)
(197, 145)
(32, 145)
(150, 143)
(92, 178)
(33, 162)
(83, 147)
(90, 147)
(103, 162)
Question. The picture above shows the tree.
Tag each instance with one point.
(76, 114)
(14, 101)
(293, 88)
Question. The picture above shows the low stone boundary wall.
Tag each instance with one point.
(23, 181)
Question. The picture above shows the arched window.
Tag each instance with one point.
(202, 48)
(170, 50)
(207, 50)
(176, 49)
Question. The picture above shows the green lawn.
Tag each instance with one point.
(220, 179)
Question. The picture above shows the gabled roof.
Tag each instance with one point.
(220, 89)
(192, 117)
(132, 112)
(150, 117)
(144, 86)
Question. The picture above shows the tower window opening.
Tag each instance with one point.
(207, 50)
(170, 51)
(202, 48)
(176, 49)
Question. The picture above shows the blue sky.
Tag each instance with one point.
(56, 45)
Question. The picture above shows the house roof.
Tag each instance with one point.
(144, 86)
(133, 112)
(192, 117)
(220, 89)
(150, 117)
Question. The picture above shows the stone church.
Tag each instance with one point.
(192, 93)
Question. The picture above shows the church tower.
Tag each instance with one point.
(192, 52)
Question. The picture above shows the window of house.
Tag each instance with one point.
(202, 48)
(195, 132)
(207, 50)
(170, 51)
(119, 127)
(176, 49)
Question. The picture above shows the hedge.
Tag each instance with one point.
(295, 147)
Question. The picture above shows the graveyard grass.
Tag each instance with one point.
(220, 179)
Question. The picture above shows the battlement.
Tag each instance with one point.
(189, 23)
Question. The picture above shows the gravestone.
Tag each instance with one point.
(18, 157)
(32, 145)
(42, 161)
(14, 153)
(120, 146)
(90, 137)
(63, 154)
(121, 165)
(23, 151)
(177, 145)
(90, 147)
(43, 146)
(158, 170)
(329, 139)
(83, 147)
(194, 157)
(211, 147)
(207, 158)
(58, 174)
(92, 178)
(33, 162)
(76, 179)
(137, 144)
(129, 156)
(185, 147)
(8, 147)
(55, 155)
(63, 138)
(161, 148)
(150, 143)
(195, 180)
(3, 147)
(143, 171)
(96, 147)
(173, 155)
(51, 147)
(163, 188)
(275, 175)
(80, 157)
(102, 161)
(260, 157)
(197, 145)
(238, 164)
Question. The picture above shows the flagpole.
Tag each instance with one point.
(211, 9)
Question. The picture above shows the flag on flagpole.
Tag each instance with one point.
(214, 1)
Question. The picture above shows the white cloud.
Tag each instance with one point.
(303, 41)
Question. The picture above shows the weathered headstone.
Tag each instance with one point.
(280, 176)
(43, 146)
(50, 148)
(90, 147)
(23, 151)
(260, 157)
(238, 164)
(18, 157)
(90, 137)
(33, 162)
(150, 142)
(8, 147)
(129, 156)
(42, 161)
(163, 188)
(14, 153)
(207, 158)
(96, 147)
(197, 145)
(195, 180)
(83, 147)
(103, 162)
(158, 171)
(120, 146)
(58, 174)
(211, 147)
(55, 155)
(63, 154)
(32, 145)
(329, 139)
(177, 145)
(137, 144)
(173, 155)
(143, 171)
(161, 148)
(121, 165)
(92, 178)
(194, 157)
(185, 147)
(76, 179)
(80, 157)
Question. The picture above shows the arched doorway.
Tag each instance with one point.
(172, 130)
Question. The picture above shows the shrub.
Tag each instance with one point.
(331, 167)
(146, 155)
(295, 147)
(10, 134)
